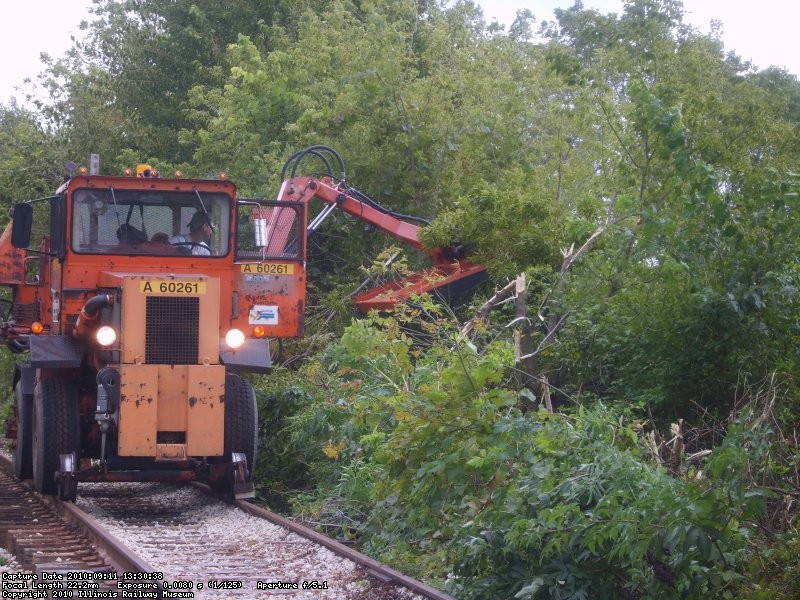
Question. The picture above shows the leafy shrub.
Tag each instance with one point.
(422, 453)
(587, 516)
(277, 468)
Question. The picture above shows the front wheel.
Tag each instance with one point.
(56, 430)
(241, 438)
(241, 420)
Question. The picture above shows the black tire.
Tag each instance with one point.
(23, 459)
(241, 420)
(56, 429)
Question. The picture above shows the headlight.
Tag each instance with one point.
(106, 336)
(234, 338)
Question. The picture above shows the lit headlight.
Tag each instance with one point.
(234, 338)
(106, 336)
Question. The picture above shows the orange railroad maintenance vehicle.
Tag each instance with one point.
(141, 300)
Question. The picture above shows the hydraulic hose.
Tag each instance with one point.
(320, 151)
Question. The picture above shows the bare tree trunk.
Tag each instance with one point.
(525, 358)
(529, 373)
(499, 297)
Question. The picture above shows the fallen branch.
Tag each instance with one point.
(550, 335)
(499, 296)
(698, 455)
(364, 283)
(570, 257)
(783, 492)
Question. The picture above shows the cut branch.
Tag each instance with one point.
(500, 296)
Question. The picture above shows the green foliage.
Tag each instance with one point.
(277, 469)
(696, 196)
(588, 517)
(504, 229)
(397, 424)
(775, 571)
(725, 292)
(30, 159)
(422, 453)
(130, 78)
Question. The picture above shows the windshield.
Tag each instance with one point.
(110, 221)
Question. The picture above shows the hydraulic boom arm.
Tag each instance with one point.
(451, 274)
(305, 189)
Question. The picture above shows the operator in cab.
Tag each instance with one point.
(197, 241)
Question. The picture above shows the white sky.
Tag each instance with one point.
(762, 31)
(31, 27)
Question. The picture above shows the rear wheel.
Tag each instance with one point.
(23, 460)
(56, 429)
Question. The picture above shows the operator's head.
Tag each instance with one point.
(199, 219)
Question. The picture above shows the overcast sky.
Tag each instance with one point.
(31, 27)
(762, 31)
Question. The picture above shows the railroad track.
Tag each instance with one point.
(200, 546)
(42, 543)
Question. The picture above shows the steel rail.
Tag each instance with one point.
(373, 567)
(122, 558)
(119, 556)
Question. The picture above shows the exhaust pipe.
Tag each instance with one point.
(89, 313)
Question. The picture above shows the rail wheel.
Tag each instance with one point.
(23, 461)
(241, 426)
(67, 485)
(56, 429)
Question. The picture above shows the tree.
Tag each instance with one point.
(700, 149)
(139, 61)
(31, 160)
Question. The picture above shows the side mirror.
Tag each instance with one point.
(23, 222)
(261, 217)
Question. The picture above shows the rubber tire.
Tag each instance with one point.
(241, 420)
(56, 430)
(23, 459)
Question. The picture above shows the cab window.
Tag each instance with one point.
(109, 221)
